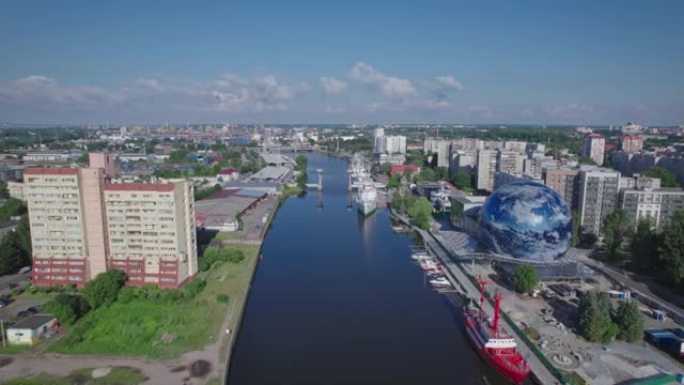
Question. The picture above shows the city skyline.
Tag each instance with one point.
(351, 62)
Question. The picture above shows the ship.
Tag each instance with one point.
(497, 349)
(366, 198)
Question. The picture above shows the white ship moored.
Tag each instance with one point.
(366, 198)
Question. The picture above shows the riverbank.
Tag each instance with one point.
(184, 336)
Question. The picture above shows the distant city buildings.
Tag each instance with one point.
(486, 167)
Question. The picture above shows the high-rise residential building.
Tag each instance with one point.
(440, 149)
(597, 197)
(564, 181)
(657, 205)
(515, 146)
(502, 178)
(151, 232)
(462, 161)
(631, 143)
(486, 167)
(378, 136)
(81, 225)
(394, 144)
(510, 161)
(594, 147)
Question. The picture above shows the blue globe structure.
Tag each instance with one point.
(526, 220)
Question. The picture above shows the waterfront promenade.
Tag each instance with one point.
(461, 282)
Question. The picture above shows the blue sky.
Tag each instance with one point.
(576, 62)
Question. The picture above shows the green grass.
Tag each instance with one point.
(229, 235)
(14, 349)
(163, 330)
(118, 376)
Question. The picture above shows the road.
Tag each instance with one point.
(641, 289)
(14, 279)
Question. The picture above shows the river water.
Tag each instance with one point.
(337, 300)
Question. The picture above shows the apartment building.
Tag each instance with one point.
(564, 181)
(655, 204)
(151, 232)
(597, 197)
(73, 214)
(594, 146)
(486, 167)
(631, 143)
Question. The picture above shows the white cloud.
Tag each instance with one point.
(46, 92)
(390, 86)
(449, 82)
(332, 86)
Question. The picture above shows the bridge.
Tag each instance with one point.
(319, 185)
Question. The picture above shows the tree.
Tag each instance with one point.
(67, 308)
(525, 279)
(426, 174)
(594, 318)
(462, 180)
(629, 320)
(644, 247)
(4, 193)
(104, 289)
(385, 168)
(394, 181)
(667, 179)
(672, 252)
(618, 227)
(587, 240)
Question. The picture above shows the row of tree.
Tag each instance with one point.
(645, 250)
(15, 248)
(599, 322)
(301, 165)
(419, 209)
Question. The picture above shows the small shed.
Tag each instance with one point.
(29, 330)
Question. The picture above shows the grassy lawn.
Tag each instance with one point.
(163, 330)
(13, 349)
(229, 235)
(118, 376)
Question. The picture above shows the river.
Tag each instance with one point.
(337, 300)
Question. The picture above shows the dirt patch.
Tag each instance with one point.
(4, 361)
(179, 369)
(200, 368)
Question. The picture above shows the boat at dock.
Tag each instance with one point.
(366, 199)
(497, 349)
(439, 281)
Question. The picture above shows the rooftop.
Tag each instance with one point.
(51, 171)
(33, 322)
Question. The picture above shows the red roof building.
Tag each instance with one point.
(402, 168)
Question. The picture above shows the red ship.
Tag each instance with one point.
(497, 348)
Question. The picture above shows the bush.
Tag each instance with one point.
(104, 289)
(67, 308)
(193, 288)
(214, 256)
(222, 298)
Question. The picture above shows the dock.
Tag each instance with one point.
(465, 286)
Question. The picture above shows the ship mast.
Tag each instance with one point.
(482, 283)
(497, 308)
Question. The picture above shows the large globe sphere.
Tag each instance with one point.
(526, 220)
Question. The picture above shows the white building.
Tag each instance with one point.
(657, 205)
(30, 330)
(594, 147)
(378, 136)
(16, 190)
(486, 167)
(597, 197)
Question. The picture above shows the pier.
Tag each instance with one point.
(465, 286)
